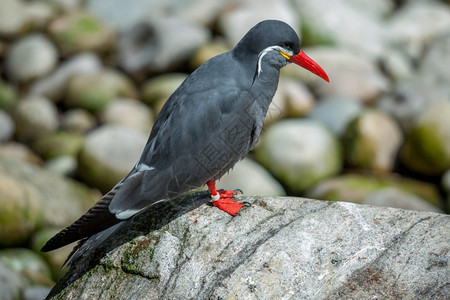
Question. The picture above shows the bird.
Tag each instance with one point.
(211, 121)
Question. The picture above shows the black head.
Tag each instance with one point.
(280, 42)
(266, 34)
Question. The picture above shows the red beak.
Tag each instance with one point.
(304, 61)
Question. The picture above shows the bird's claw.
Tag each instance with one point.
(246, 204)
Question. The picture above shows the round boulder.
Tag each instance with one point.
(299, 153)
(108, 154)
(31, 57)
(427, 146)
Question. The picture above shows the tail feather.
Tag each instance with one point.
(96, 219)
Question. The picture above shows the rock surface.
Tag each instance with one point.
(286, 248)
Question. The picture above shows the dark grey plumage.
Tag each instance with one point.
(209, 123)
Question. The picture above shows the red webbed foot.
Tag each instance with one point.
(225, 199)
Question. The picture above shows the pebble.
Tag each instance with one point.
(35, 117)
(31, 57)
(299, 153)
(128, 113)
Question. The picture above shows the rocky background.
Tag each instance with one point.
(81, 83)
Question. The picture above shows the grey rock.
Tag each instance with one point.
(393, 197)
(59, 200)
(8, 96)
(77, 120)
(299, 153)
(149, 45)
(95, 91)
(351, 75)
(7, 126)
(21, 212)
(35, 117)
(418, 23)
(372, 141)
(40, 13)
(58, 144)
(234, 23)
(65, 165)
(37, 292)
(79, 31)
(279, 248)
(10, 283)
(356, 187)
(13, 17)
(428, 84)
(336, 113)
(351, 26)
(212, 48)
(128, 113)
(427, 146)
(124, 15)
(109, 153)
(252, 179)
(18, 151)
(28, 265)
(53, 86)
(292, 99)
(66, 5)
(31, 57)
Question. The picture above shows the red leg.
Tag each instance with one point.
(224, 199)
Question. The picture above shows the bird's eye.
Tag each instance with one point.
(288, 45)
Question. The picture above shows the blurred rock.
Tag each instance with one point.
(252, 179)
(8, 96)
(124, 15)
(292, 99)
(157, 90)
(13, 17)
(346, 24)
(61, 200)
(355, 188)
(396, 65)
(109, 153)
(55, 259)
(58, 144)
(207, 51)
(417, 23)
(40, 13)
(446, 186)
(298, 99)
(77, 120)
(427, 146)
(7, 126)
(35, 292)
(128, 113)
(336, 113)
(394, 197)
(234, 23)
(95, 91)
(53, 86)
(10, 283)
(35, 117)
(149, 46)
(428, 84)
(21, 152)
(79, 31)
(64, 165)
(21, 212)
(29, 266)
(299, 153)
(351, 75)
(31, 57)
(67, 5)
(372, 141)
